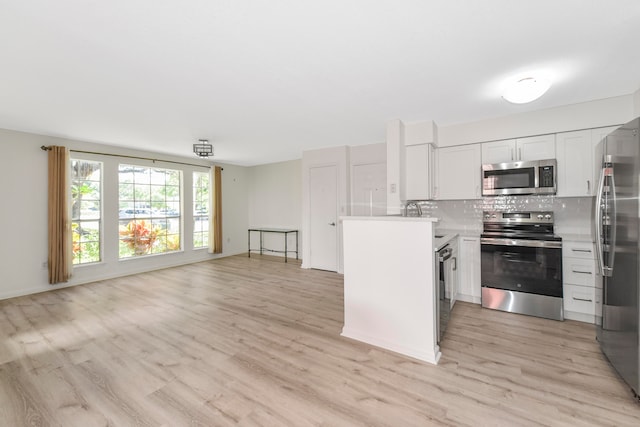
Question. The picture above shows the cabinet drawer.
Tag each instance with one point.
(584, 250)
(577, 271)
(580, 299)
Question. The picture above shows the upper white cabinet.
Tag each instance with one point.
(579, 155)
(499, 151)
(418, 172)
(458, 172)
(576, 167)
(522, 149)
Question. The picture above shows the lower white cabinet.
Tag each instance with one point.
(469, 266)
(582, 286)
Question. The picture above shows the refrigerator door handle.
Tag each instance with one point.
(598, 224)
(613, 212)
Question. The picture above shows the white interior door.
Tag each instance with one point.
(323, 200)
(369, 190)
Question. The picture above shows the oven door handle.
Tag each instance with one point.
(520, 242)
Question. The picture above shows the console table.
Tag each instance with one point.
(284, 231)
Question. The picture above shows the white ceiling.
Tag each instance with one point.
(266, 80)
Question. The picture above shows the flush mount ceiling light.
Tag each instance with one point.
(526, 90)
(203, 148)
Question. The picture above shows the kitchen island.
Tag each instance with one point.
(389, 276)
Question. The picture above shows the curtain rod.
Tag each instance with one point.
(47, 148)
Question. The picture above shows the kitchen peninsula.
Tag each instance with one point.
(389, 277)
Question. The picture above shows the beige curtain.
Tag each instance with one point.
(215, 215)
(60, 259)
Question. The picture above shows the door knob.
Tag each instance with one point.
(333, 224)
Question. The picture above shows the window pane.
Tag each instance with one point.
(144, 210)
(86, 210)
(200, 209)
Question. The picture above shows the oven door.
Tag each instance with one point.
(530, 266)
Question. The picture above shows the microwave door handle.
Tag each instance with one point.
(598, 223)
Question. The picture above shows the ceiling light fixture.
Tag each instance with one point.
(203, 148)
(526, 90)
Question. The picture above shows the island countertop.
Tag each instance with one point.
(390, 218)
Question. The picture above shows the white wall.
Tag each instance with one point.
(275, 201)
(395, 165)
(586, 115)
(23, 247)
(636, 103)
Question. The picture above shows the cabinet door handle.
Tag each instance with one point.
(512, 154)
(455, 263)
(588, 187)
(582, 250)
(581, 272)
(519, 153)
(583, 299)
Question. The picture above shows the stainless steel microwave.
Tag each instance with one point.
(535, 177)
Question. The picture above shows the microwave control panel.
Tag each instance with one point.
(546, 176)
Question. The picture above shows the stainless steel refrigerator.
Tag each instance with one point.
(617, 232)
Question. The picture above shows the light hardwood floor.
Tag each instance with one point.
(255, 342)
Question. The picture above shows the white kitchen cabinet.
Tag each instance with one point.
(418, 172)
(469, 266)
(458, 172)
(579, 158)
(540, 147)
(499, 151)
(576, 167)
(582, 287)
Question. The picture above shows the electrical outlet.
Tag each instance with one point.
(228, 239)
(392, 188)
(45, 265)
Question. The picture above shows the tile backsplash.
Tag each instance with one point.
(572, 214)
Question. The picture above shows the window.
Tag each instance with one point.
(86, 209)
(200, 209)
(149, 211)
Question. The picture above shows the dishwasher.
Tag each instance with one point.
(447, 269)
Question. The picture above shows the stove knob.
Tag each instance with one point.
(540, 216)
(493, 216)
(547, 216)
(487, 216)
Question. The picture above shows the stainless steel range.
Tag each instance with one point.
(522, 264)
